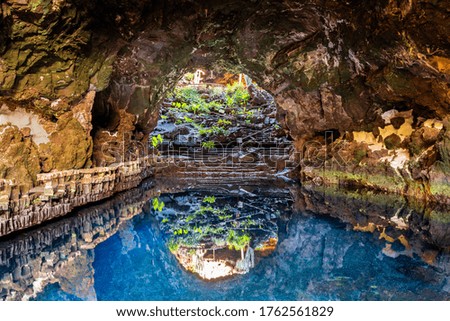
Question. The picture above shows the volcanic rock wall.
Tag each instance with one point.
(332, 66)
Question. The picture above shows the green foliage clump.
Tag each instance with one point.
(208, 145)
(236, 241)
(158, 205)
(187, 95)
(173, 245)
(359, 154)
(188, 120)
(190, 99)
(189, 76)
(237, 94)
(214, 130)
(157, 140)
(209, 199)
(224, 123)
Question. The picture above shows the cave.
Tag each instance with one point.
(187, 115)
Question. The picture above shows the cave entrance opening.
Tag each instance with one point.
(220, 124)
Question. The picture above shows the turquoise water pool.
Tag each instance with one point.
(316, 258)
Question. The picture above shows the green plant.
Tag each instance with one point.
(359, 154)
(214, 105)
(208, 145)
(187, 95)
(158, 205)
(214, 130)
(224, 122)
(173, 245)
(205, 131)
(218, 130)
(209, 199)
(217, 92)
(238, 242)
(225, 217)
(157, 140)
(179, 105)
(237, 94)
(188, 120)
(164, 117)
(180, 231)
(165, 220)
(189, 76)
(229, 101)
(209, 209)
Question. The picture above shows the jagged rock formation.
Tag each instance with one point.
(56, 194)
(62, 252)
(331, 65)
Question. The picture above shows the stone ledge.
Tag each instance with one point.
(58, 193)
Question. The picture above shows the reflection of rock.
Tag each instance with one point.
(222, 234)
(127, 236)
(407, 228)
(61, 252)
(206, 266)
(217, 263)
(77, 276)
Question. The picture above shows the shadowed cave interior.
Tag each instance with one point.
(208, 129)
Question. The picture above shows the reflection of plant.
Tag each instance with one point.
(359, 154)
(173, 245)
(210, 224)
(158, 205)
(157, 140)
(208, 145)
(205, 209)
(209, 199)
(225, 217)
(238, 242)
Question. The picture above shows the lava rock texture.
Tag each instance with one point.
(331, 65)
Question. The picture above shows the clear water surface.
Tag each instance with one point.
(317, 258)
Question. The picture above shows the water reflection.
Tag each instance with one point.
(119, 250)
(224, 234)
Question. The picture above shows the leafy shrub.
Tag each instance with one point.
(236, 241)
(209, 199)
(173, 245)
(224, 123)
(208, 145)
(237, 94)
(215, 130)
(158, 206)
(157, 140)
(359, 154)
(189, 76)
